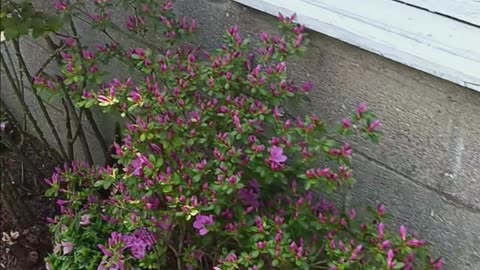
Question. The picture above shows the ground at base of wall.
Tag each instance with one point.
(24, 243)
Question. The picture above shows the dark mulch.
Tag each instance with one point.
(25, 241)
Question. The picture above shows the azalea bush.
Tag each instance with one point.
(209, 173)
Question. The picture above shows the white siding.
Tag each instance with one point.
(465, 10)
(433, 43)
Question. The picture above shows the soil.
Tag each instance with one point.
(23, 227)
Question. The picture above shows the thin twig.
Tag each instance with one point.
(49, 60)
(75, 137)
(68, 124)
(180, 246)
(81, 133)
(77, 118)
(23, 65)
(19, 84)
(22, 102)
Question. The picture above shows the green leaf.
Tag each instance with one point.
(308, 184)
(167, 189)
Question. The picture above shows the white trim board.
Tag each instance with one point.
(430, 42)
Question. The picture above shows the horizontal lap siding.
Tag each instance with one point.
(465, 10)
(430, 42)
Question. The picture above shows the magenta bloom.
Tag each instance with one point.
(306, 86)
(346, 123)
(390, 256)
(436, 264)
(60, 5)
(403, 233)
(276, 158)
(201, 221)
(380, 230)
(373, 125)
(361, 109)
(69, 42)
(416, 243)
(139, 242)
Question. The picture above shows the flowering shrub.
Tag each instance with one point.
(210, 174)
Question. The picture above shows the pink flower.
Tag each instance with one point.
(390, 256)
(380, 230)
(436, 264)
(416, 243)
(276, 158)
(306, 86)
(201, 221)
(66, 247)
(373, 125)
(361, 109)
(298, 41)
(385, 244)
(352, 214)
(87, 55)
(69, 42)
(380, 209)
(38, 81)
(60, 5)
(403, 233)
(264, 37)
(355, 252)
(85, 220)
(346, 123)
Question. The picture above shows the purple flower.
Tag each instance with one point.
(85, 220)
(250, 194)
(201, 221)
(276, 158)
(137, 165)
(346, 123)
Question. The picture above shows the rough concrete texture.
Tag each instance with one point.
(427, 167)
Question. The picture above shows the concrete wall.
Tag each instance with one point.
(427, 167)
